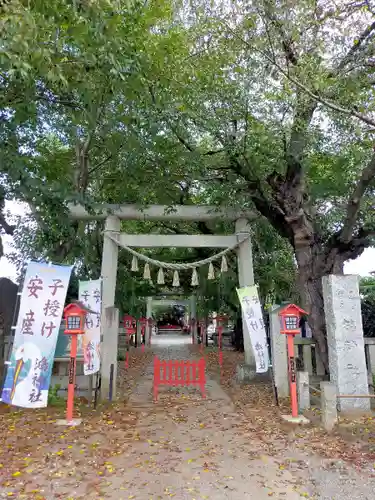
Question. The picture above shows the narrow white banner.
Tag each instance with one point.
(91, 296)
(252, 311)
(41, 308)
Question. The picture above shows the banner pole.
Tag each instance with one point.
(6, 355)
(72, 378)
(292, 375)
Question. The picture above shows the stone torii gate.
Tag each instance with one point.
(190, 304)
(113, 214)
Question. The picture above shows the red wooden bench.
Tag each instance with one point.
(179, 373)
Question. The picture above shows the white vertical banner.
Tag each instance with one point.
(39, 318)
(252, 312)
(90, 294)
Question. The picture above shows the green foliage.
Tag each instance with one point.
(367, 291)
(53, 396)
(152, 102)
(367, 287)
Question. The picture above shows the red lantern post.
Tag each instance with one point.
(74, 315)
(130, 329)
(290, 318)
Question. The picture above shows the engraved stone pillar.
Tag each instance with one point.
(193, 316)
(107, 327)
(245, 372)
(303, 391)
(149, 307)
(346, 348)
(328, 405)
(110, 320)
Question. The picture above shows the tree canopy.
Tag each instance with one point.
(264, 105)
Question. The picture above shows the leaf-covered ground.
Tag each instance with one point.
(353, 440)
(231, 445)
(35, 453)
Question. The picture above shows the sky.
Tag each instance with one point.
(361, 266)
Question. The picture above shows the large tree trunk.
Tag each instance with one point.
(314, 262)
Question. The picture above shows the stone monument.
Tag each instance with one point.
(346, 348)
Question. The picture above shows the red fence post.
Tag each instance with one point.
(186, 372)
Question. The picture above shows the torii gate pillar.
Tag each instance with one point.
(193, 316)
(109, 275)
(247, 371)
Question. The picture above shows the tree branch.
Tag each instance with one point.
(269, 209)
(298, 139)
(317, 97)
(357, 46)
(301, 86)
(9, 229)
(286, 41)
(354, 203)
(100, 164)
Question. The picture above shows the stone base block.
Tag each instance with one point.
(300, 420)
(70, 423)
(245, 373)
